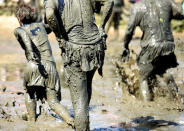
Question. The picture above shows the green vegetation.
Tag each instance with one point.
(177, 25)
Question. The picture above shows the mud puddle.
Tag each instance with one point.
(108, 111)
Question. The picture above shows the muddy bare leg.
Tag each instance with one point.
(59, 109)
(31, 106)
(169, 79)
(79, 95)
(144, 91)
(145, 72)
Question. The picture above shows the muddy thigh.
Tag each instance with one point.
(79, 95)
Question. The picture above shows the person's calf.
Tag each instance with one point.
(81, 122)
(169, 79)
(59, 109)
(144, 91)
(31, 108)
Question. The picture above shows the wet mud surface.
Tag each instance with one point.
(110, 108)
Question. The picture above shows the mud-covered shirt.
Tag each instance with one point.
(153, 17)
(33, 38)
(78, 19)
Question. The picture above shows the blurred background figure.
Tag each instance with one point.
(116, 17)
(157, 42)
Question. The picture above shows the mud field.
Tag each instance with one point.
(110, 108)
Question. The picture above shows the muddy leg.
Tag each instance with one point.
(79, 95)
(144, 91)
(30, 105)
(90, 75)
(59, 109)
(145, 71)
(169, 79)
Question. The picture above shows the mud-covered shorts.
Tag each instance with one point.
(152, 61)
(34, 76)
(79, 59)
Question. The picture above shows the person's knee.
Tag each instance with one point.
(52, 97)
(144, 75)
(145, 71)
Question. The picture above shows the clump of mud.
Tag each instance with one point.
(128, 74)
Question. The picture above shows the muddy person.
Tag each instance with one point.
(157, 42)
(82, 45)
(41, 78)
(116, 17)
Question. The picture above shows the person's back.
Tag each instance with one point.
(38, 36)
(153, 17)
(78, 20)
(81, 29)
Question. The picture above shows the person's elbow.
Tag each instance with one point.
(111, 2)
(49, 14)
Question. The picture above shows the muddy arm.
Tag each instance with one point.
(53, 22)
(25, 43)
(51, 18)
(134, 21)
(108, 6)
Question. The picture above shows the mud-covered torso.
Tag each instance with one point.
(79, 21)
(39, 39)
(155, 22)
(153, 17)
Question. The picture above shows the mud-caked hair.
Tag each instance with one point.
(24, 13)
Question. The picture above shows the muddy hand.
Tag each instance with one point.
(61, 42)
(34, 57)
(103, 36)
(125, 55)
(102, 32)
